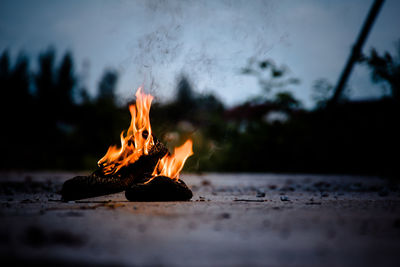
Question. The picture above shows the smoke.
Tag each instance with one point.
(208, 41)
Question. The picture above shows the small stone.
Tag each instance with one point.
(205, 182)
(225, 215)
(284, 198)
(287, 188)
(260, 194)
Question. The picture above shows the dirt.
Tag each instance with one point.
(232, 220)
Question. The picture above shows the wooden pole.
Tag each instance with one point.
(356, 51)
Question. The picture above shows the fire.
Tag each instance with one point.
(171, 165)
(137, 141)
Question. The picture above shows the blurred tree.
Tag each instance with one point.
(184, 93)
(107, 86)
(5, 86)
(14, 81)
(19, 97)
(15, 87)
(107, 121)
(48, 128)
(21, 78)
(4, 69)
(322, 92)
(5, 89)
(386, 68)
(286, 101)
(55, 90)
(44, 78)
(65, 83)
(16, 107)
(83, 96)
(270, 76)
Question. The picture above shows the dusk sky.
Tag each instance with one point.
(154, 42)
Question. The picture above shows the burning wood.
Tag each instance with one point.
(164, 185)
(160, 188)
(141, 166)
(99, 184)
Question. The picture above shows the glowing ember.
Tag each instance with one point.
(171, 165)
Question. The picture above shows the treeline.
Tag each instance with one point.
(50, 122)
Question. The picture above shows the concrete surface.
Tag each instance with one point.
(232, 220)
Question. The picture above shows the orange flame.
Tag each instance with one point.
(137, 141)
(171, 165)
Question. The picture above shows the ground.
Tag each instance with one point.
(232, 220)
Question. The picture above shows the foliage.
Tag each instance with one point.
(271, 77)
(322, 92)
(385, 68)
(50, 121)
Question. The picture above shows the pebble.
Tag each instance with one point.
(205, 182)
(260, 194)
(284, 198)
(225, 215)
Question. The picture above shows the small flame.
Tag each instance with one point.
(171, 165)
(137, 141)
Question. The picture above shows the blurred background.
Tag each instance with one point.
(249, 82)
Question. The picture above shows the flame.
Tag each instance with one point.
(171, 165)
(137, 141)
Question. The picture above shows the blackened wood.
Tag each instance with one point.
(99, 184)
(161, 188)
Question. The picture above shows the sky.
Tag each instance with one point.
(153, 43)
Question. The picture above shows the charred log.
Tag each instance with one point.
(99, 184)
(161, 188)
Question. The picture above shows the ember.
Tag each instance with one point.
(142, 165)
